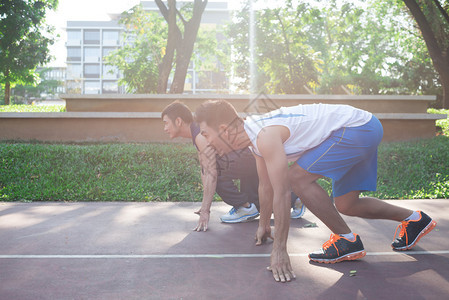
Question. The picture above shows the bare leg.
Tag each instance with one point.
(369, 208)
(316, 199)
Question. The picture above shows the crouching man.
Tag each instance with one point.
(336, 141)
(218, 170)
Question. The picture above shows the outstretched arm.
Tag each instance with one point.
(265, 201)
(270, 144)
(209, 179)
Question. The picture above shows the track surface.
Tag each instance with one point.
(149, 251)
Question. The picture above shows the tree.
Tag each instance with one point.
(24, 40)
(334, 47)
(139, 59)
(148, 56)
(286, 61)
(284, 64)
(433, 21)
(411, 71)
(381, 53)
(182, 33)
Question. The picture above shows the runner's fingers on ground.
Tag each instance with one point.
(200, 227)
(282, 274)
(262, 239)
(262, 234)
(280, 266)
(289, 273)
(203, 222)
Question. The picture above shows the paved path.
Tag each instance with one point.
(149, 251)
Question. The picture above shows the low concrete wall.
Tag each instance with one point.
(148, 127)
(405, 127)
(82, 127)
(244, 103)
(136, 118)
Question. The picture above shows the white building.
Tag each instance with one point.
(89, 41)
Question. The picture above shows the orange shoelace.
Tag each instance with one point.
(333, 239)
(403, 231)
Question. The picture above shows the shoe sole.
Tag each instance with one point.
(423, 232)
(241, 220)
(303, 211)
(350, 256)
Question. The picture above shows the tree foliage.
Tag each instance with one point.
(432, 19)
(24, 40)
(333, 47)
(144, 45)
(276, 57)
(148, 60)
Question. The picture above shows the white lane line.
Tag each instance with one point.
(163, 256)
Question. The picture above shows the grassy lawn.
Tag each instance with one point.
(170, 172)
(108, 172)
(32, 108)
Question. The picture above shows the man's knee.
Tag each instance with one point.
(345, 204)
(343, 207)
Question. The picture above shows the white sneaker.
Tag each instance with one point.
(240, 215)
(298, 209)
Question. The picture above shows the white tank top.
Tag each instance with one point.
(309, 124)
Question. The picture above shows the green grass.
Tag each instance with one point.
(108, 172)
(32, 108)
(170, 172)
(414, 170)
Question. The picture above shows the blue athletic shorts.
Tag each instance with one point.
(348, 157)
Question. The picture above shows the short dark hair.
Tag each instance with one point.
(217, 112)
(176, 110)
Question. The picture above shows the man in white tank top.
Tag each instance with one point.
(336, 141)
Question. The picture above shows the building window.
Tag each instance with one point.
(110, 87)
(73, 53)
(74, 35)
(54, 74)
(92, 87)
(92, 71)
(111, 37)
(92, 54)
(74, 38)
(74, 71)
(92, 37)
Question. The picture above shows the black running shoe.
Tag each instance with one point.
(337, 249)
(412, 231)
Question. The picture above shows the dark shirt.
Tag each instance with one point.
(194, 130)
